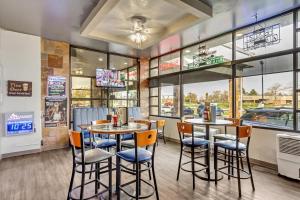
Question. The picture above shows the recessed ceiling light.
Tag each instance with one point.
(239, 34)
(187, 51)
(100, 59)
(125, 63)
(113, 68)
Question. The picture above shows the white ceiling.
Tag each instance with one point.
(111, 21)
(61, 20)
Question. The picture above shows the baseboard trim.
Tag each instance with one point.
(21, 153)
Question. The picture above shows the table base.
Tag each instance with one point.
(204, 176)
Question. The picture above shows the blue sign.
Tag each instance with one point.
(19, 123)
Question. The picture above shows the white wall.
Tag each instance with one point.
(262, 144)
(21, 60)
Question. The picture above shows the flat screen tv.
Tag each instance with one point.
(109, 78)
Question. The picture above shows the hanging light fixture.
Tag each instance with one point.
(138, 30)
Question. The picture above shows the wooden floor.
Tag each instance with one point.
(46, 176)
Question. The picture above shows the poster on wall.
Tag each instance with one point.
(55, 61)
(19, 88)
(55, 111)
(56, 86)
(19, 123)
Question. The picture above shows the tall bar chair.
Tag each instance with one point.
(103, 141)
(129, 143)
(143, 160)
(197, 134)
(160, 126)
(83, 158)
(192, 145)
(236, 147)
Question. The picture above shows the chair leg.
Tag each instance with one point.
(71, 181)
(140, 177)
(96, 178)
(92, 166)
(241, 159)
(179, 164)
(164, 138)
(238, 172)
(109, 178)
(250, 171)
(208, 161)
(149, 171)
(232, 162)
(216, 163)
(137, 176)
(228, 163)
(154, 180)
(193, 166)
(82, 182)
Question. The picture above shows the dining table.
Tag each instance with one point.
(108, 128)
(207, 125)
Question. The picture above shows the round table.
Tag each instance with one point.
(207, 124)
(108, 128)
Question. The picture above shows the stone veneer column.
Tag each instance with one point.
(54, 138)
(144, 86)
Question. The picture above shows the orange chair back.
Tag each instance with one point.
(146, 122)
(160, 123)
(244, 131)
(102, 121)
(75, 138)
(184, 127)
(235, 121)
(146, 138)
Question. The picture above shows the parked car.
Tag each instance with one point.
(269, 117)
(188, 111)
(166, 110)
(201, 107)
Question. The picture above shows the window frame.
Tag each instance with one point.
(295, 51)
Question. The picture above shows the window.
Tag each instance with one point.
(169, 63)
(154, 93)
(282, 29)
(265, 92)
(170, 96)
(154, 67)
(210, 85)
(208, 53)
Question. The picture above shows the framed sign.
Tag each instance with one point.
(55, 111)
(19, 88)
(19, 123)
(56, 86)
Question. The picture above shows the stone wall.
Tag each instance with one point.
(144, 86)
(56, 137)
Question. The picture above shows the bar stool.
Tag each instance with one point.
(83, 158)
(160, 126)
(129, 143)
(140, 156)
(103, 141)
(189, 145)
(197, 134)
(235, 148)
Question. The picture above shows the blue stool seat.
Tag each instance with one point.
(128, 136)
(105, 143)
(129, 155)
(197, 142)
(230, 144)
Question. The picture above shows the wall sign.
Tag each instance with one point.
(19, 88)
(55, 61)
(262, 37)
(202, 61)
(56, 86)
(19, 123)
(55, 111)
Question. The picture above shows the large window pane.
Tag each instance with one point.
(84, 62)
(153, 110)
(120, 62)
(211, 85)
(170, 96)
(265, 92)
(249, 45)
(208, 53)
(81, 87)
(169, 63)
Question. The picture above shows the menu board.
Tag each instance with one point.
(109, 78)
(55, 111)
(19, 123)
(56, 86)
(19, 88)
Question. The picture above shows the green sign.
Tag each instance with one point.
(200, 61)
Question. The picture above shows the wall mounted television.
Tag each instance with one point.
(109, 78)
